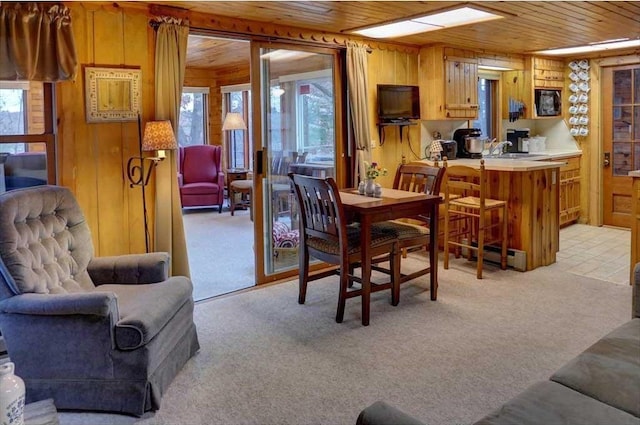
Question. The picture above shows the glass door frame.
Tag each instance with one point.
(260, 156)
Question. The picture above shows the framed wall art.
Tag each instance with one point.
(112, 94)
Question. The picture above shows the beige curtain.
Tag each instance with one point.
(36, 42)
(358, 103)
(171, 50)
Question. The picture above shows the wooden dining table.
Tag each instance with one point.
(391, 205)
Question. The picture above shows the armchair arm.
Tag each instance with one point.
(180, 180)
(220, 181)
(130, 269)
(91, 303)
(74, 331)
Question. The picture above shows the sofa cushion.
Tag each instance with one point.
(548, 402)
(609, 370)
(146, 309)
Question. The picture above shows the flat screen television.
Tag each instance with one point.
(398, 103)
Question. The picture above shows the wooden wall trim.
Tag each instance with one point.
(250, 29)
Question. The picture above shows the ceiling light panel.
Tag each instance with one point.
(436, 21)
(456, 17)
(591, 48)
(396, 29)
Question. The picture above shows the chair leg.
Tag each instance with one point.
(446, 240)
(232, 201)
(395, 277)
(480, 253)
(303, 274)
(220, 209)
(342, 298)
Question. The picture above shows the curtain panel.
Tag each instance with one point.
(358, 103)
(36, 42)
(170, 63)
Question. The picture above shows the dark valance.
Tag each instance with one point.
(36, 42)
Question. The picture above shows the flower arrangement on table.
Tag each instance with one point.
(374, 170)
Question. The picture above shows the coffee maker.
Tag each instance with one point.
(459, 136)
(516, 136)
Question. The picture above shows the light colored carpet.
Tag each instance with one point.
(220, 248)
(267, 360)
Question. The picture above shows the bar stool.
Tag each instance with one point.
(243, 188)
(469, 218)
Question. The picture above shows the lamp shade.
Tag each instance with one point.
(436, 147)
(233, 121)
(158, 135)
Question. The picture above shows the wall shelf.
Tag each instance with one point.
(400, 124)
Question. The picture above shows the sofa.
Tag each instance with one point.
(92, 333)
(600, 386)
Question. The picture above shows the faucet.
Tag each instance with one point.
(499, 147)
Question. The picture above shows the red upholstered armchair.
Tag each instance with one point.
(200, 176)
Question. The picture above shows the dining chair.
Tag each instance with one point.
(412, 232)
(325, 235)
(472, 219)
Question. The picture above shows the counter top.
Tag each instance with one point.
(494, 164)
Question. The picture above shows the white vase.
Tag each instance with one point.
(11, 396)
(361, 188)
(370, 187)
(377, 191)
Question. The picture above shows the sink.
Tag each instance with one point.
(517, 155)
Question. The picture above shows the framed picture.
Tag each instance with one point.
(112, 94)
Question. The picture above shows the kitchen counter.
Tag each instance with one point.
(531, 189)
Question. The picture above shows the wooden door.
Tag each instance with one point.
(621, 140)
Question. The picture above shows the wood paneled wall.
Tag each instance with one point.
(92, 158)
(392, 67)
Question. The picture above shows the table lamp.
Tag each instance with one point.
(434, 150)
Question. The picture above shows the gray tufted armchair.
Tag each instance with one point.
(104, 334)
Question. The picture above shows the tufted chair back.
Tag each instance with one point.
(45, 242)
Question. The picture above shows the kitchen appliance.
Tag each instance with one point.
(460, 136)
(548, 102)
(516, 136)
(449, 149)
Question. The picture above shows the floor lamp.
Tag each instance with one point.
(234, 121)
(158, 136)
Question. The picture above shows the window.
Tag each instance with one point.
(238, 143)
(315, 104)
(193, 124)
(27, 142)
(487, 106)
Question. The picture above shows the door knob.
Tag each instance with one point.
(607, 159)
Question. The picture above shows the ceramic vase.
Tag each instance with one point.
(11, 396)
(377, 192)
(370, 187)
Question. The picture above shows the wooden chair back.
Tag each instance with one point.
(464, 181)
(419, 178)
(321, 211)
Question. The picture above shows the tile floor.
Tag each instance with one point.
(597, 252)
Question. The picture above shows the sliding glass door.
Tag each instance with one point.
(300, 120)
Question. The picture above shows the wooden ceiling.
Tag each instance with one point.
(527, 26)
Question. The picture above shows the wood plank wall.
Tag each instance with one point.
(392, 67)
(92, 158)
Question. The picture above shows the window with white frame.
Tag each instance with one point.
(193, 125)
